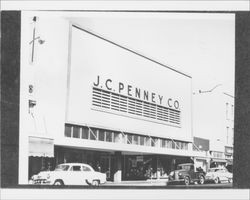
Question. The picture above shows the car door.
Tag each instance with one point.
(192, 173)
(75, 174)
(87, 174)
(221, 175)
(224, 174)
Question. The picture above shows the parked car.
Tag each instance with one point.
(218, 175)
(70, 174)
(186, 173)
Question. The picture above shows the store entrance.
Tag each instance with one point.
(138, 167)
(143, 167)
(105, 165)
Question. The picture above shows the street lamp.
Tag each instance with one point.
(206, 91)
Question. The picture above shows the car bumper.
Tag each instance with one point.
(209, 178)
(40, 182)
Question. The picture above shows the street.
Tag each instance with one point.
(162, 184)
(134, 185)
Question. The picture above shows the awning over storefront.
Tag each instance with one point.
(219, 160)
(202, 159)
(41, 147)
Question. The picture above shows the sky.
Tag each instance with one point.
(198, 44)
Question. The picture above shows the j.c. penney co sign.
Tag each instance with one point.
(132, 91)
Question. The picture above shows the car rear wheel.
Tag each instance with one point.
(201, 180)
(186, 180)
(217, 180)
(96, 183)
(58, 182)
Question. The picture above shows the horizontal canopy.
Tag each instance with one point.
(41, 147)
(219, 160)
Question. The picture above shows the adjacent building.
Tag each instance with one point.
(214, 121)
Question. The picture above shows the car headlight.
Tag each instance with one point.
(171, 173)
(34, 177)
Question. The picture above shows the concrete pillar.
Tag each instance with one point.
(118, 167)
(190, 146)
(173, 161)
(158, 172)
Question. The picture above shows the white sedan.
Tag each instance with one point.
(218, 175)
(70, 174)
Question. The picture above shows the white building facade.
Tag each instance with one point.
(85, 98)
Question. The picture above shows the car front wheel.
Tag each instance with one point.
(201, 180)
(96, 183)
(58, 182)
(217, 180)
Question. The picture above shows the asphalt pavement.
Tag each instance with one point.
(163, 184)
(147, 184)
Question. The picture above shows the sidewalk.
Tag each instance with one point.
(153, 182)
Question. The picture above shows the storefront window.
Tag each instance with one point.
(177, 145)
(173, 145)
(85, 132)
(123, 138)
(108, 136)
(120, 137)
(101, 135)
(217, 154)
(135, 139)
(156, 140)
(142, 140)
(117, 137)
(163, 143)
(148, 141)
(184, 146)
(129, 139)
(76, 132)
(153, 142)
(67, 132)
(93, 134)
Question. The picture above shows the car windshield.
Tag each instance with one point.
(62, 168)
(186, 167)
(216, 170)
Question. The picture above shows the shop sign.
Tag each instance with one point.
(136, 92)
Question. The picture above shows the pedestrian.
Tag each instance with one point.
(98, 167)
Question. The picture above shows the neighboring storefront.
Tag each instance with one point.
(229, 157)
(217, 159)
(201, 144)
(41, 154)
